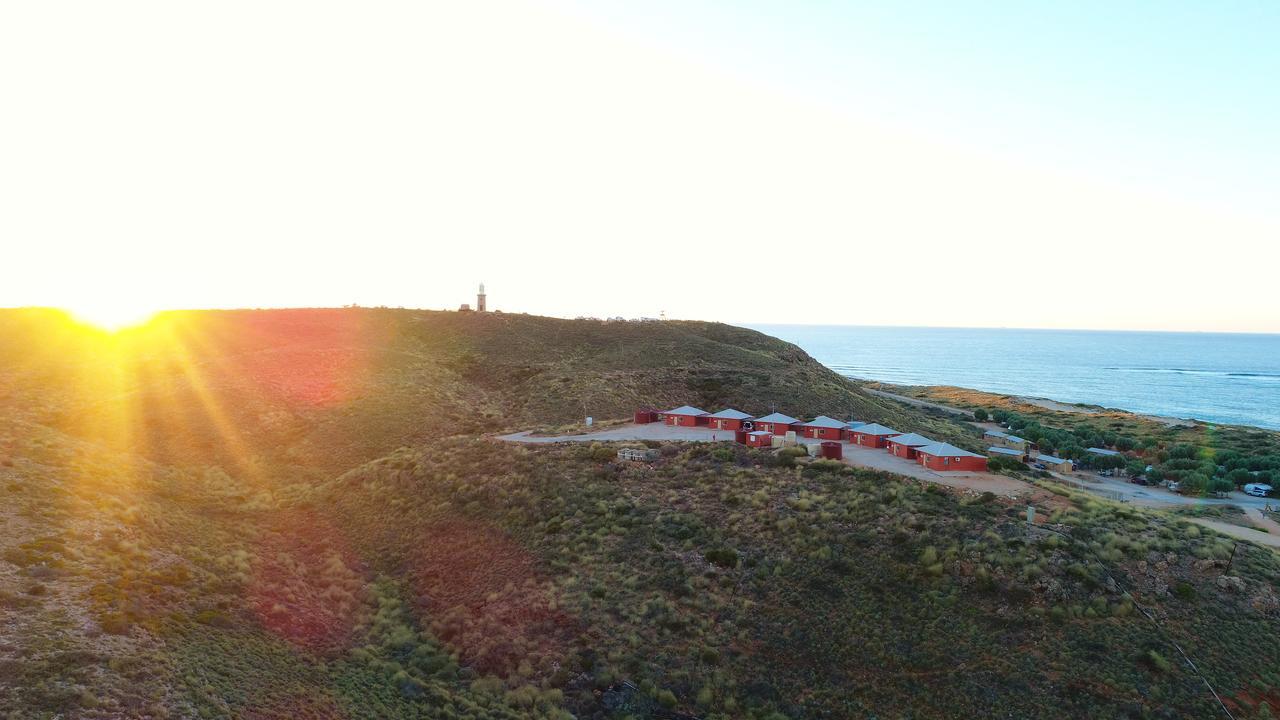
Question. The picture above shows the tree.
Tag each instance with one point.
(980, 415)
(1239, 477)
(1222, 485)
(1124, 443)
(1106, 462)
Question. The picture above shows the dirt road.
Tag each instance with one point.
(978, 482)
(853, 455)
(920, 403)
(1242, 533)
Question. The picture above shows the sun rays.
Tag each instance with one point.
(113, 316)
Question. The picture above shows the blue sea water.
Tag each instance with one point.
(1217, 377)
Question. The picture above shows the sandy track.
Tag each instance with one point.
(853, 454)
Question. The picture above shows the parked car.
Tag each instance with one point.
(1257, 489)
(1039, 466)
(1174, 486)
(1139, 480)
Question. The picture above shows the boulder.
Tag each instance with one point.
(1231, 583)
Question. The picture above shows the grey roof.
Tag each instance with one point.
(685, 410)
(1005, 435)
(855, 424)
(760, 432)
(941, 449)
(876, 429)
(1004, 451)
(778, 418)
(730, 414)
(1102, 451)
(1050, 459)
(911, 440)
(823, 421)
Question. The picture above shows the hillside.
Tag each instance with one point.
(315, 392)
(474, 579)
(1203, 457)
(293, 515)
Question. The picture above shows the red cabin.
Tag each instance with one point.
(646, 416)
(777, 423)
(904, 446)
(685, 416)
(823, 428)
(873, 435)
(759, 438)
(728, 419)
(944, 457)
(849, 428)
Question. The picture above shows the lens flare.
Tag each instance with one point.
(112, 316)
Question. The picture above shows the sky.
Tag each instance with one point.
(1110, 165)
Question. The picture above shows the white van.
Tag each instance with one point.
(1257, 489)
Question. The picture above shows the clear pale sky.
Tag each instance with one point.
(1087, 164)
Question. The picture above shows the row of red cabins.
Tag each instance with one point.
(759, 432)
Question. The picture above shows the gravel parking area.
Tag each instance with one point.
(853, 454)
(881, 460)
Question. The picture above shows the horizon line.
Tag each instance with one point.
(1008, 327)
(738, 323)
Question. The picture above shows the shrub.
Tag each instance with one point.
(723, 557)
(114, 624)
(667, 698)
(1158, 661)
(980, 415)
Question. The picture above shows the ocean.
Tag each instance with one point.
(1217, 377)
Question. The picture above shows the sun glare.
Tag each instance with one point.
(112, 316)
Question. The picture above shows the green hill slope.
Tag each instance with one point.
(474, 579)
(283, 392)
(292, 514)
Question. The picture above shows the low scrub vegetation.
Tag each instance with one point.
(294, 567)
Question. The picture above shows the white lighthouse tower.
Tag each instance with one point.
(480, 299)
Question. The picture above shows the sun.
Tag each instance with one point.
(112, 316)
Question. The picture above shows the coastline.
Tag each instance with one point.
(901, 392)
(952, 399)
(1171, 378)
